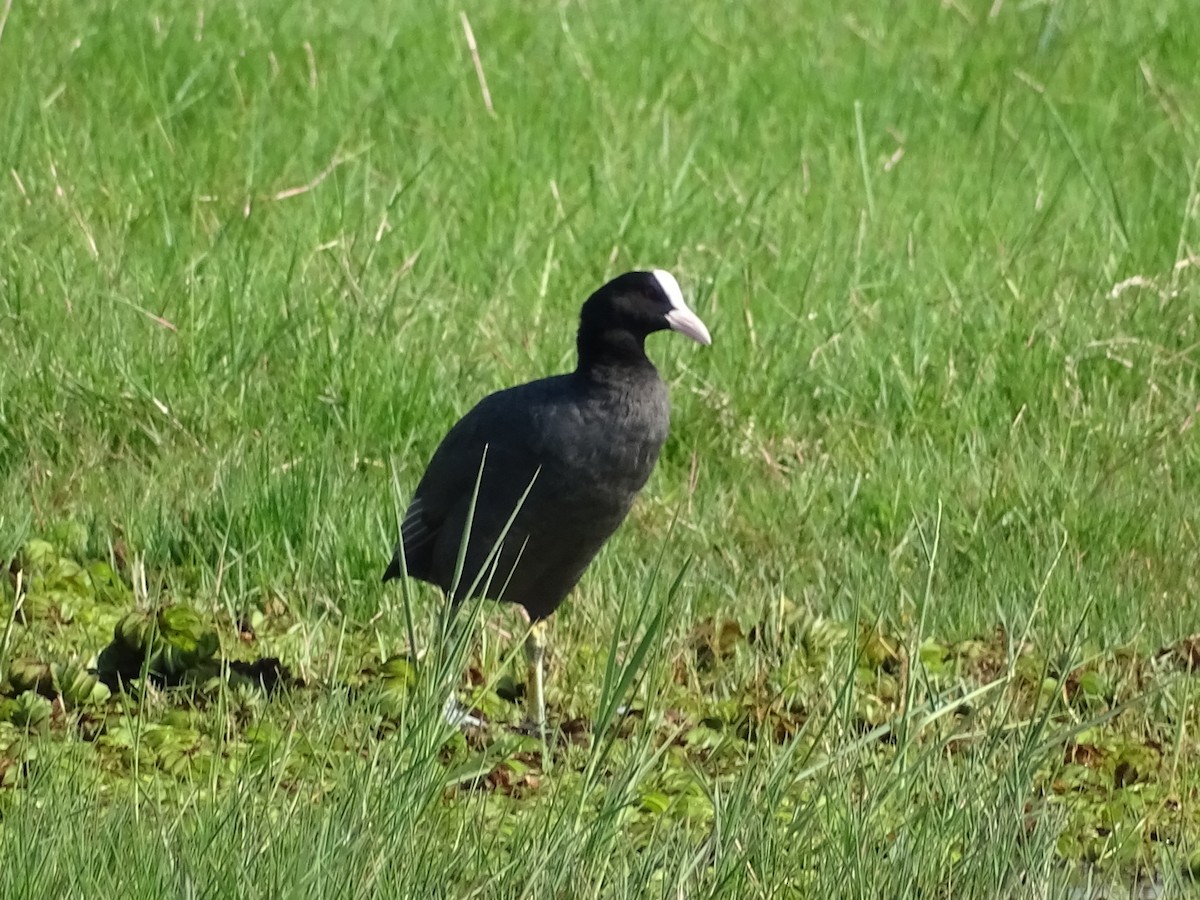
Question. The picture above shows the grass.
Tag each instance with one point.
(889, 615)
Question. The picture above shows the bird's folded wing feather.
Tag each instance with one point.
(451, 474)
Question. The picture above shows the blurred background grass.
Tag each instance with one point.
(253, 254)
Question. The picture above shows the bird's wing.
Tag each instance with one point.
(448, 480)
(416, 530)
(512, 427)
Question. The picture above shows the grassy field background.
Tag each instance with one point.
(904, 610)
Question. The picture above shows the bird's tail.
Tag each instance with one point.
(394, 569)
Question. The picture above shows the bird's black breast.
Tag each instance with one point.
(582, 449)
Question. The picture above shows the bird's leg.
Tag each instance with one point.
(535, 685)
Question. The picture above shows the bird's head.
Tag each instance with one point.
(634, 305)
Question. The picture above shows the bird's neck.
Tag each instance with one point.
(616, 353)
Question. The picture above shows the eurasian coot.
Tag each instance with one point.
(577, 448)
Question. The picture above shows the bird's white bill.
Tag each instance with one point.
(687, 322)
(680, 318)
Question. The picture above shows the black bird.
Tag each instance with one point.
(582, 445)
